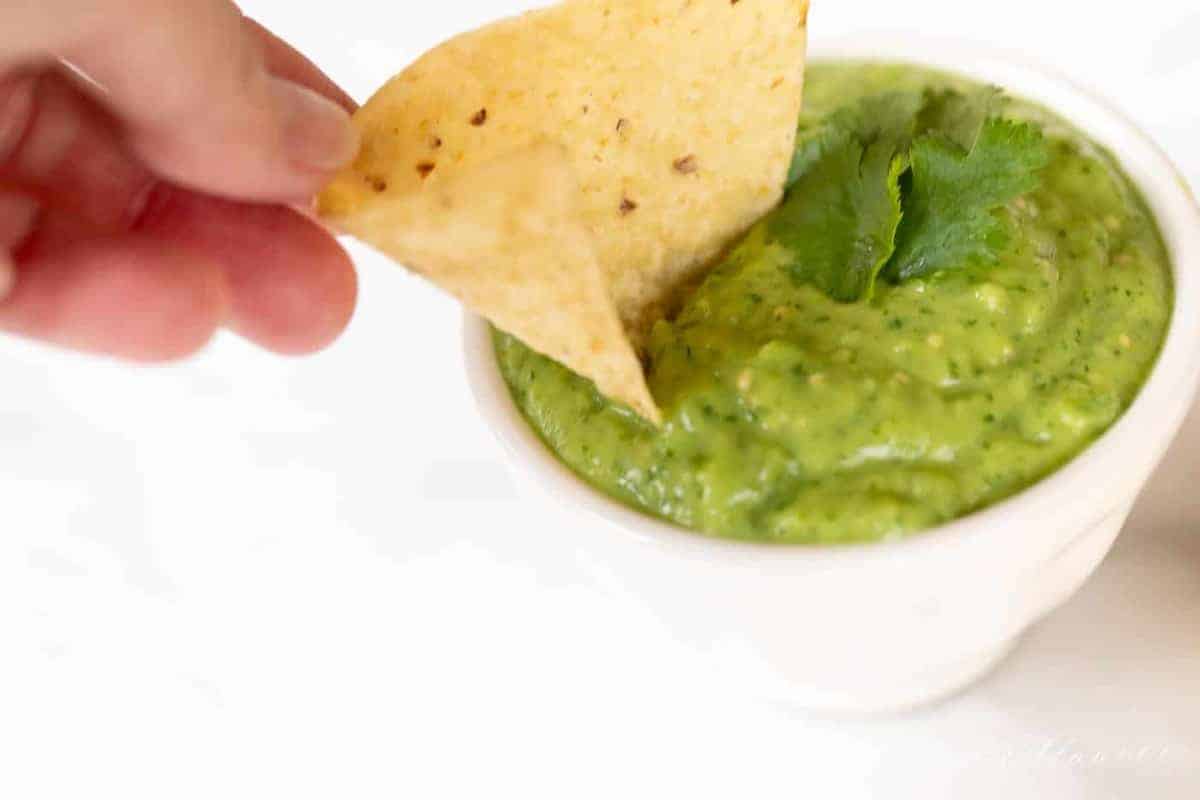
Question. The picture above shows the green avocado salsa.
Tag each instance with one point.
(941, 312)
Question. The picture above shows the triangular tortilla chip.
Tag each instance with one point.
(505, 239)
(676, 118)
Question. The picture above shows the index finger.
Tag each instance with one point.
(190, 82)
(284, 61)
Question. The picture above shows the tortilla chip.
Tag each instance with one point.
(676, 119)
(505, 240)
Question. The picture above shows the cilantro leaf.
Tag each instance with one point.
(949, 215)
(891, 116)
(837, 226)
(958, 116)
(903, 184)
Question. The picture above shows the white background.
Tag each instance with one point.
(253, 577)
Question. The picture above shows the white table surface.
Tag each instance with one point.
(252, 577)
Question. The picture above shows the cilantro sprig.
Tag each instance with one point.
(949, 218)
(838, 224)
(903, 185)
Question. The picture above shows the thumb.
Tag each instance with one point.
(190, 83)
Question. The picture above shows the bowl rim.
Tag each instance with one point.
(1090, 487)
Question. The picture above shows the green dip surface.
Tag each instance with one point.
(790, 417)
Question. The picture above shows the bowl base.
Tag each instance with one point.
(917, 692)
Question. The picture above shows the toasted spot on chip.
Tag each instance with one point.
(423, 169)
(505, 240)
(684, 83)
(685, 165)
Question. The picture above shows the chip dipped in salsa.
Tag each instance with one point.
(957, 294)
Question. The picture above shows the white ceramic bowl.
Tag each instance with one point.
(889, 626)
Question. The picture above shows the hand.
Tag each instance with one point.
(147, 151)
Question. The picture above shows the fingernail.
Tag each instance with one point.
(317, 133)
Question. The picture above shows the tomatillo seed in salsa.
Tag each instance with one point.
(973, 346)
